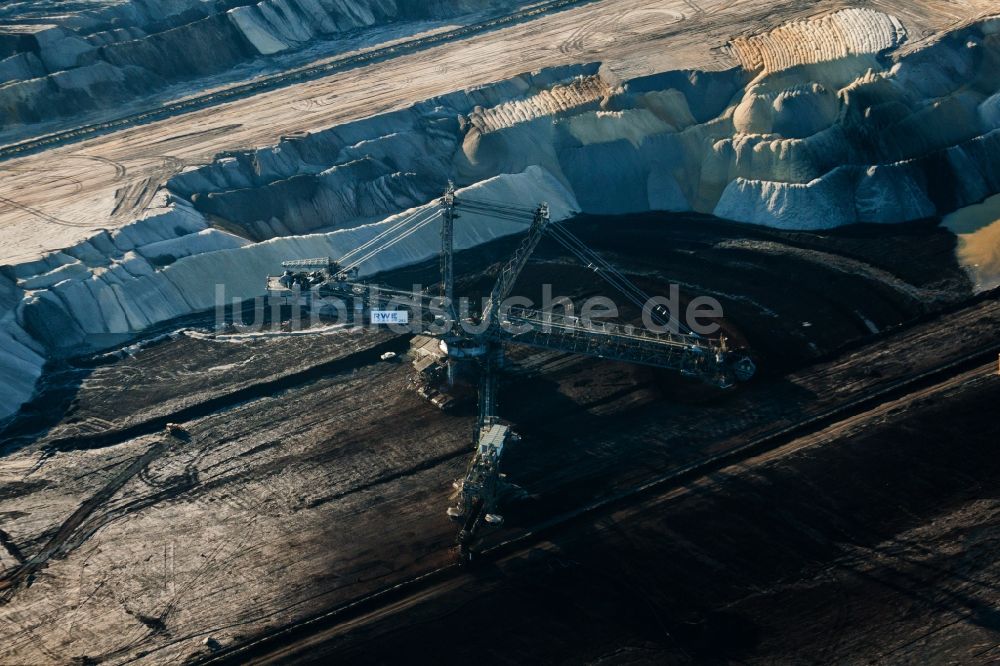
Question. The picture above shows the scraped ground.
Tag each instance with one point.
(51, 200)
(331, 480)
(312, 474)
(727, 570)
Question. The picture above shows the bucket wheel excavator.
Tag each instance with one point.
(478, 342)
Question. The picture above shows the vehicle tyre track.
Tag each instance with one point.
(773, 441)
(276, 81)
(60, 541)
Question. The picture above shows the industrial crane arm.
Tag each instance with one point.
(591, 259)
(659, 314)
(512, 269)
(700, 357)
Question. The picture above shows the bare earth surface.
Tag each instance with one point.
(311, 474)
(297, 499)
(50, 200)
(726, 570)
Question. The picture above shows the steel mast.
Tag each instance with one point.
(480, 490)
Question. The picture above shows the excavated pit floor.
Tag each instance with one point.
(312, 474)
(871, 542)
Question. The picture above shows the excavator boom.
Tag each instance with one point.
(480, 491)
(697, 357)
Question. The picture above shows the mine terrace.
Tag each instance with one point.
(278, 385)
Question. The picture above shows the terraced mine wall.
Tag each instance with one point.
(863, 137)
(104, 56)
(846, 133)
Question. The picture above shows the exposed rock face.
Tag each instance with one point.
(105, 290)
(796, 141)
(838, 35)
(547, 102)
(866, 141)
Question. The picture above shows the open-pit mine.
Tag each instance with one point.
(487, 331)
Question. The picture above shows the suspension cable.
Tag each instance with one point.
(512, 214)
(381, 235)
(496, 209)
(406, 234)
(612, 275)
(488, 203)
(607, 271)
